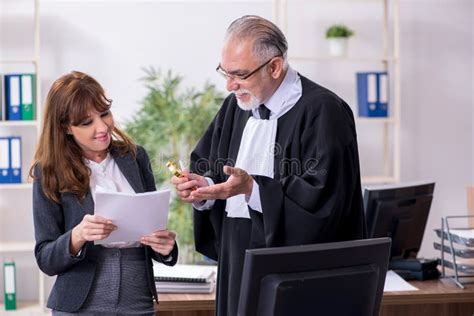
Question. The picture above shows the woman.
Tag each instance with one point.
(80, 151)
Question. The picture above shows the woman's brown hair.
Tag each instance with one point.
(59, 158)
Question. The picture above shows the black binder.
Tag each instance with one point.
(413, 264)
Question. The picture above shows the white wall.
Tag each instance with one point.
(112, 40)
(437, 103)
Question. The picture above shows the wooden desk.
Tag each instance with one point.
(434, 298)
(186, 305)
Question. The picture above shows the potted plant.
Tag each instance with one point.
(169, 123)
(338, 36)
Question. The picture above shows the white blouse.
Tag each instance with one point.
(107, 177)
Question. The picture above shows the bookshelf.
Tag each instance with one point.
(16, 186)
(33, 124)
(16, 224)
(385, 58)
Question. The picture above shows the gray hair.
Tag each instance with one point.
(268, 40)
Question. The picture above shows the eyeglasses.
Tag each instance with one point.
(227, 75)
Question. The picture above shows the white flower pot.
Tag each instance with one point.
(338, 46)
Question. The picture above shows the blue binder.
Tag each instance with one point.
(2, 98)
(4, 160)
(15, 159)
(13, 97)
(372, 94)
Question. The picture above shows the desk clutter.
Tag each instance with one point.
(183, 278)
(456, 247)
(415, 268)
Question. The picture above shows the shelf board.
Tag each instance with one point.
(16, 186)
(336, 1)
(17, 246)
(377, 179)
(19, 123)
(339, 59)
(32, 308)
(375, 119)
(18, 61)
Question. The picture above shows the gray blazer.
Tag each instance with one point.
(54, 223)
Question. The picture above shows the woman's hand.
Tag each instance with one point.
(92, 227)
(161, 241)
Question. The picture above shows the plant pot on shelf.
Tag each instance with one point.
(338, 36)
(338, 46)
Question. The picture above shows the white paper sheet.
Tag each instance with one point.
(135, 215)
(463, 233)
(394, 282)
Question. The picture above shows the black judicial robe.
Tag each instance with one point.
(314, 197)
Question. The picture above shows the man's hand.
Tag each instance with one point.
(239, 182)
(185, 185)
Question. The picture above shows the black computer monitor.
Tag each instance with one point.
(341, 278)
(399, 212)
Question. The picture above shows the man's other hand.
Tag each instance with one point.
(239, 182)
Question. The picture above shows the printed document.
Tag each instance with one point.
(135, 215)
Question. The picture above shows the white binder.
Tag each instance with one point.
(4, 160)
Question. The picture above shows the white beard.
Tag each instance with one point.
(251, 104)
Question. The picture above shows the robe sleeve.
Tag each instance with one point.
(321, 200)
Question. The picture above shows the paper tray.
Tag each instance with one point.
(463, 253)
(459, 236)
(462, 267)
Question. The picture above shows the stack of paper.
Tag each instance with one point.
(184, 287)
(183, 278)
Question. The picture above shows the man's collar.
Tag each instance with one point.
(280, 96)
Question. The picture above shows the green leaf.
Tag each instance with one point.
(338, 30)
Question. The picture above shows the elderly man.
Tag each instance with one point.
(277, 166)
